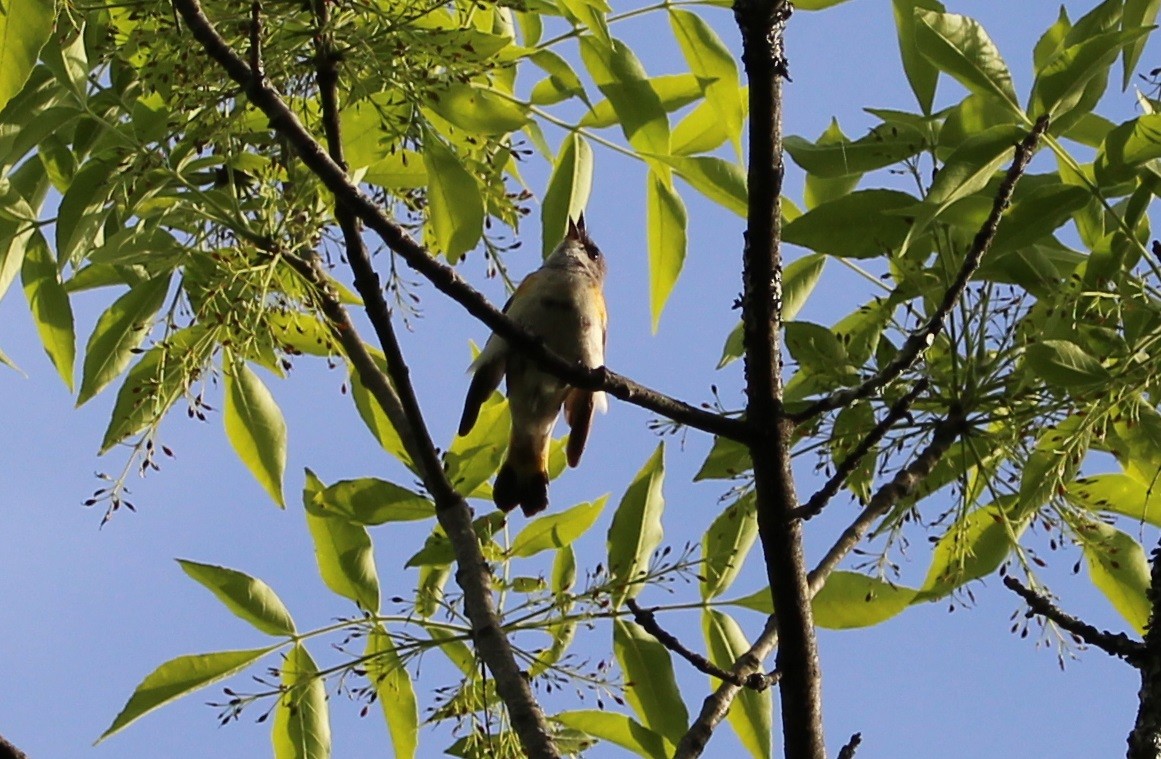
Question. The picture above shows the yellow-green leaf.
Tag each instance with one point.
(395, 690)
(665, 222)
(346, 558)
(620, 730)
(255, 427)
(119, 331)
(1119, 568)
(49, 303)
(248, 597)
(556, 530)
(726, 543)
(650, 686)
(302, 728)
(636, 529)
(712, 62)
(455, 208)
(180, 676)
(25, 25)
(751, 718)
(568, 190)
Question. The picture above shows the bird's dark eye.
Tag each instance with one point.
(593, 251)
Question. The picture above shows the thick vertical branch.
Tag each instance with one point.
(761, 23)
(1145, 740)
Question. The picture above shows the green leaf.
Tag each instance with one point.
(665, 222)
(817, 189)
(14, 239)
(833, 155)
(82, 213)
(860, 225)
(618, 729)
(437, 549)
(972, 165)
(622, 79)
(815, 5)
(1127, 147)
(346, 558)
(850, 429)
(479, 110)
(636, 529)
(562, 82)
(1060, 84)
(556, 530)
(376, 420)
(959, 46)
(650, 686)
(370, 501)
(752, 722)
(589, 14)
(1117, 494)
(395, 691)
(119, 332)
(725, 545)
(25, 26)
(726, 460)
(815, 347)
(673, 91)
(1065, 364)
(302, 728)
(921, 74)
(475, 457)
(455, 208)
(700, 130)
(50, 307)
(973, 547)
(1036, 215)
(401, 170)
(1136, 13)
(849, 600)
(255, 427)
(246, 596)
(180, 676)
(719, 180)
(1118, 567)
(712, 62)
(568, 190)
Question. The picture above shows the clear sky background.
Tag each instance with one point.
(86, 613)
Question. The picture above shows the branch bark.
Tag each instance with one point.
(445, 279)
(1145, 739)
(762, 23)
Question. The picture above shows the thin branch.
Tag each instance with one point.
(1113, 644)
(443, 277)
(8, 751)
(717, 704)
(921, 339)
(848, 751)
(648, 621)
(819, 500)
(902, 485)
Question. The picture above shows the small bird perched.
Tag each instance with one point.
(562, 303)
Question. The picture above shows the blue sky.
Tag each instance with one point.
(87, 612)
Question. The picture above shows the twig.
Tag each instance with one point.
(1146, 734)
(921, 339)
(1113, 644)
(848, 751)
(443, 277)
(819, 500)
(648, 621)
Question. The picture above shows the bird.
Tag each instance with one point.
(563, 304)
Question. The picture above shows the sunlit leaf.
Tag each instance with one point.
(568, 190)
(301, 728)
(246, 596)
(346, 558)
(725, 545)
(25, 26)
(49, 303)
(636, 529)
(395, 690)
(752, 717)
(959, 46)
(622, 79)
(1119, 568)
(118, 333)
(921, 74)
(556, 530)
(665, 223)
(255, 427)
(618, 729)
(455, 209)
(371, 501)
(650, 686)
(180, 676)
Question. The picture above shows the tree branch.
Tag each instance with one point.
(848, 751)
(443, 277)
(1113, 644)
(1145, 739)
(762, 24)
(648, 621)
(398, 400)
(8, 751)
(819, 500)
(922, 338)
